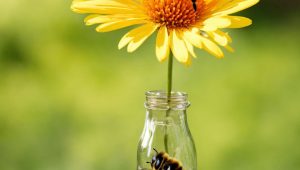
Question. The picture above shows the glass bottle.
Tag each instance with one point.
(166, 131)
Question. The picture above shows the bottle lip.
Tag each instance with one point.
(159, 100)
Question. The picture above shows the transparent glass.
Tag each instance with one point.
(166, 130)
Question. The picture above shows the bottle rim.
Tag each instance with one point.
(159, 100)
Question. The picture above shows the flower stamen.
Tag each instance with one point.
(174, 14)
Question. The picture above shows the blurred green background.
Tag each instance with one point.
(69, 100)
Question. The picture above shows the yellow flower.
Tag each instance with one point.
(181, 24)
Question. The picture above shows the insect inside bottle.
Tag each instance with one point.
(162, 161)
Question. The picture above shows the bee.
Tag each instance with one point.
(194, 5)
(162, 161)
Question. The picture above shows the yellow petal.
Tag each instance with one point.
(216, 22)
(212, 48)
(228, 38)
(229, 48)
(97, 19)
(190, 48)
(130, 3)
(209, 28)
(239, 22)
(110, 26)
(162, 44)
(188, 62)
(193, 37)
(220, 37)
(79, 4)
(105, 9)
(178, 47)
(105, 3)
(130, 35)
(125, 39)
(236, 6)
(145, 32)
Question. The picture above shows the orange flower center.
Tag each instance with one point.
(174, 13)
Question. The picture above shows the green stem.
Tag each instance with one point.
(169, 91)
(170, 74)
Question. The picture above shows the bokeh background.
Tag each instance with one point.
(69, 100)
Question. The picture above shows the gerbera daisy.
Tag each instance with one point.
(181, 24)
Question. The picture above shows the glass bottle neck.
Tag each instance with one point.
(166, 116)
(166, 108)
(159, 100)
